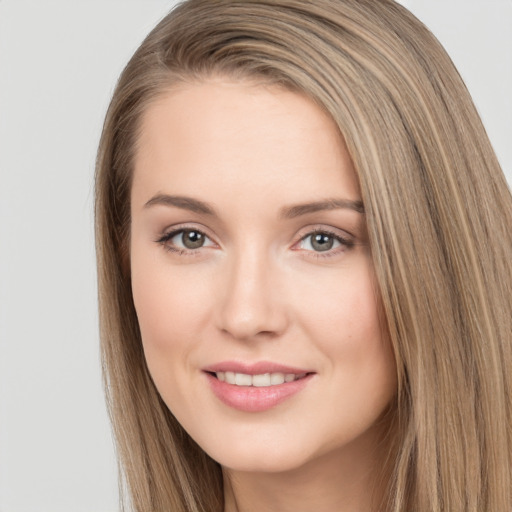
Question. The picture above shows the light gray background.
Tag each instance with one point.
(59, 60)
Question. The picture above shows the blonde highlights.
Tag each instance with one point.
(439, 217)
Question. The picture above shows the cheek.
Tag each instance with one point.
(168, 314)
(170, 306)
(342, 309)
(364, 343)
(346, 324)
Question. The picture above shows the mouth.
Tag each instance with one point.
(258, 380)
(256, 387)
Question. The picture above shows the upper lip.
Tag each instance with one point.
(257, 368)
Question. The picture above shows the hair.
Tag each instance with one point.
(439, 219)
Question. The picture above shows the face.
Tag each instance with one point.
(252, 278)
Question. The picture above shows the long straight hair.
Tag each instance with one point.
(439, 218)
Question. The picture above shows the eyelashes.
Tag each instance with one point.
(316, 242)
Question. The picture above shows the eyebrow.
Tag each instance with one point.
(288, 212)
(183, 202)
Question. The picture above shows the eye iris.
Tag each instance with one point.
(322, 242)
(192, 239)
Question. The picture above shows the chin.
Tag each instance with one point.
(261, 464)
(257, 457)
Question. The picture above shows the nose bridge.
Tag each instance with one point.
(250, 303)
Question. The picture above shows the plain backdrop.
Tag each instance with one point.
(59, 60)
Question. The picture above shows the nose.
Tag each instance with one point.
(251, 302)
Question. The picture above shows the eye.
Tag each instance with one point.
(319, 242)
(323, 241)
(185, 240)
(189, 239)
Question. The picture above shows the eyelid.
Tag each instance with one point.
(195, 226)
(338, 233)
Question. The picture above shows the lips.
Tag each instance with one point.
(255, 387)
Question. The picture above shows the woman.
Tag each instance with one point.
(304, 266)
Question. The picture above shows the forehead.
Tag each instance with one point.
(249, 139)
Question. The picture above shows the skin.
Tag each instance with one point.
(258, 290)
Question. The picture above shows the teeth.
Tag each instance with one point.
(276, 378)
(263, 380)
(242, 379)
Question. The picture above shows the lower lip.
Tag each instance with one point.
(252, 398)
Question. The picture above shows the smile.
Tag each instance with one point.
(256, 387)
(261, 380)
